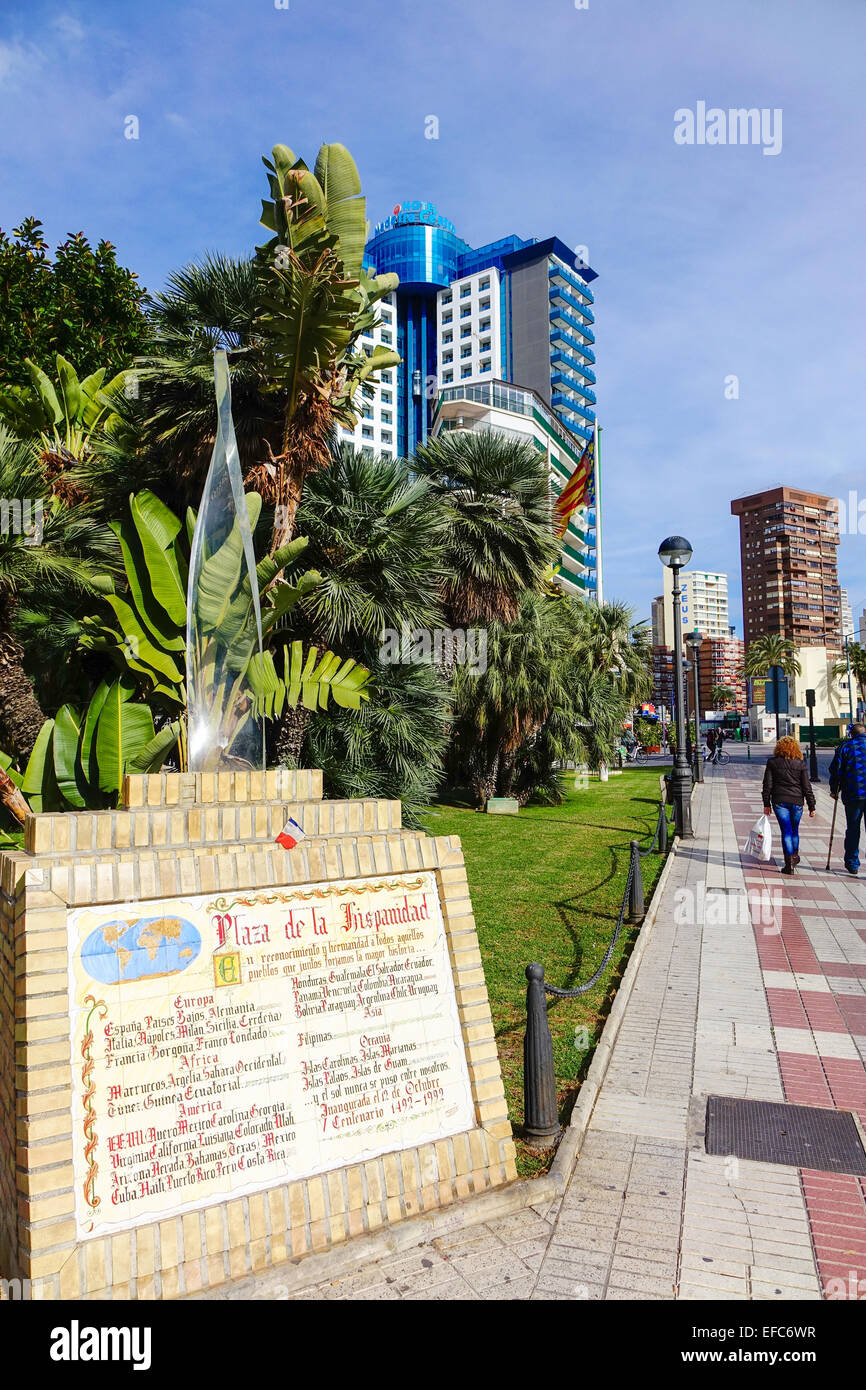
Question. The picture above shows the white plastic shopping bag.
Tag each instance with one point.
(760, 841)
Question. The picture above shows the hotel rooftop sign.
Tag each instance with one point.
(413, 214)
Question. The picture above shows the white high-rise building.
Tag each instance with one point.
(376, 430)
(846, 615)
(703, 603)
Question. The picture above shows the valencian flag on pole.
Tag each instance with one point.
(576, 490)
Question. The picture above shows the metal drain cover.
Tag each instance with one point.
(801, 1136)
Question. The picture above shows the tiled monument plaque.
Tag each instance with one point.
(217, 1054)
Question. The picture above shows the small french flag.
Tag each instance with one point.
(290, 835)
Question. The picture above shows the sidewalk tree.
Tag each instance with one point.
(772, 649)
(857, 660)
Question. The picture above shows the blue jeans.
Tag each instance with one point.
(788, 815)
(853, 811)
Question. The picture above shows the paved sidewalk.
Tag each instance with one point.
(768, 1003)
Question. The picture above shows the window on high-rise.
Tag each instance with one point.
(465, 372)
(485, 303)
(446, 318)
(465, 291)
(466, 311)
(485, 283)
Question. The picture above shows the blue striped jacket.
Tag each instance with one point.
(848, 770)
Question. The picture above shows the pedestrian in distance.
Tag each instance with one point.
(786, 789)
(848, 780)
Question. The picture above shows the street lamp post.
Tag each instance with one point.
(694, 641)
(687, 666)
(675, 552)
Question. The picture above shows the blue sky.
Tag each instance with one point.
(713, 260)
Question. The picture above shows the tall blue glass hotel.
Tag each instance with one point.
(498, 337)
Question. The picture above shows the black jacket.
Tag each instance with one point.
(786, 780)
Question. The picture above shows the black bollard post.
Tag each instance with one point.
(635, 897)
(540, 1119)
(663, 830)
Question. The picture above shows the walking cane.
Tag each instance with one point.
(832, 829)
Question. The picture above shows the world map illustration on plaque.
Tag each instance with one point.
(139, 949)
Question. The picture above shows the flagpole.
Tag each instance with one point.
(599, 579)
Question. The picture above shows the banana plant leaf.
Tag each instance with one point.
(68, 726)
(157, 527)
(122, 731)
(39, 783)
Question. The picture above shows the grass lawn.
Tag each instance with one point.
(546, 886)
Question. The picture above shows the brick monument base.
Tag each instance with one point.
(178, 836)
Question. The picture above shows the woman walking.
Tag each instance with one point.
(786, 787)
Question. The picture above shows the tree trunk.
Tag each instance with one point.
(507, 770)
(12, 798)
(20, 715)
(305, 449)
(290, 735)
(485, 782)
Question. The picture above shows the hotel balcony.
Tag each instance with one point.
(557, 295)
(560, 379)
(566, 405)
(573, 348)
(571, 277)
(558, 317)
(570, 370)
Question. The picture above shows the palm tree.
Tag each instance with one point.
(606, 641)
(41, 576)
(376, 537)
(494, 491)
(291, 319)
(772, 649)
(857, 663)
(504, 710)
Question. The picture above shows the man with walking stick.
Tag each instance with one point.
(848, 780)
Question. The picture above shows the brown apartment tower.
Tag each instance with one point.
(788, 542)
